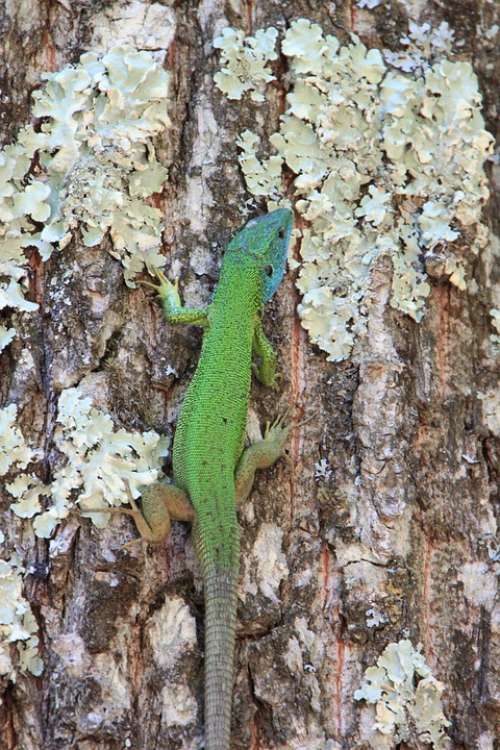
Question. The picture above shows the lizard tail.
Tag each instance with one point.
(220, 625)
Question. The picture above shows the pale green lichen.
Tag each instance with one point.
(491, 409)
(407, 699)
(495, 337)
(96, 165)
(17, 623)
(262, 178)
(100, 461)
(386, 164)
(244, 62)
(28, 489)
(6, 336)
(14, 453)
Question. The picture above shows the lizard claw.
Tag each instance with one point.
(277, 431)
(165, 288)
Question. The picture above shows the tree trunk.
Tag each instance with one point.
(378, 529)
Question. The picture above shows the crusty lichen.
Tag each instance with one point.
(14, 453)
(99, 464)
(244, 62)
(388, 157)
(495, 337)
(407, 700)
(96, 165)
(100, 461)
(17, 623)
(491, 409)
(6, 336)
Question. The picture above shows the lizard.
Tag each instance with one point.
(212, 471)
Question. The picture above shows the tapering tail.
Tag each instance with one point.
(220, 624)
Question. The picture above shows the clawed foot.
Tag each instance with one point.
(276, 434)
(166, 289)
(140, 522)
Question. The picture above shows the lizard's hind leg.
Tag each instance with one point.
(160, 503)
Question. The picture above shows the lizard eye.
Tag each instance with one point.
(281, 233)
(268, 270)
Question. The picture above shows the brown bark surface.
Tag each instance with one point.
(414, 464)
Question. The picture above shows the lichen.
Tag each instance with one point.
(6, 336)
(244, 62)
(17, 623)
(495, 337)
(262, 178)
(14, 453)
(96, 165)
(388, 160)
(322, 470)
(407, 699)
(99, 463)
(491, 409)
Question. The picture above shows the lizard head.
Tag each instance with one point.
(265, 239)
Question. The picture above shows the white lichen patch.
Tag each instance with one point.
(387, 162)
(491, 409)
(406, 697)
(101, 460)
(28, 490)
(263, 178)
(17, 623)
(423, 44)
(96, 166)
(495, 337)
(6, 336)
(98, 463)
(244, 62)
(322, 470)
(374, 617)
(14, 453)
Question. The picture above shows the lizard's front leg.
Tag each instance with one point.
(260, 455)
(174, 310)
(265, 370)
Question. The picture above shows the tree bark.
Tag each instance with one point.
(394, 543)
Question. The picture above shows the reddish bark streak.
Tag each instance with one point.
(50, 51)
(250, 16)
(254, 736)
(442, 299)
(325, 569)
(353, 14)
(337, 698)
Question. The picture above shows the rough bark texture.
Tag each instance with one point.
(414, 465)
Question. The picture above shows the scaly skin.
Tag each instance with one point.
(211, 471)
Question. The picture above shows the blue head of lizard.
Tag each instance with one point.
(265, 239)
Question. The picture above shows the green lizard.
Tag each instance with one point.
(212, 472)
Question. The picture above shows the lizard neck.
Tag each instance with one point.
(240, 288)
